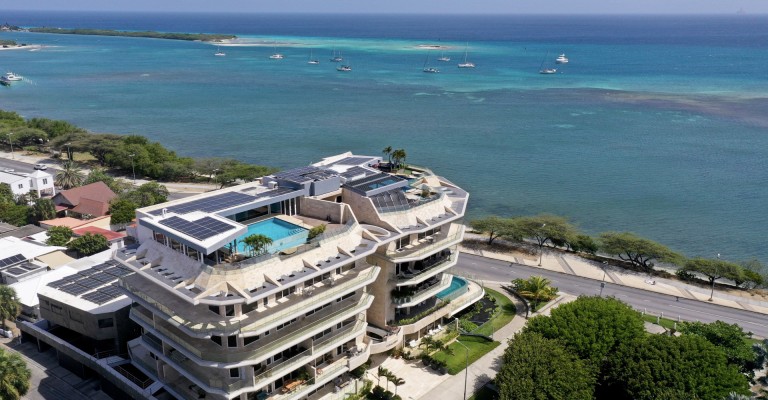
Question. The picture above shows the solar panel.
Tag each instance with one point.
(74, 289)
(210, 204)
(90, 283)
(201, 229)
(111, 290)
(353, 161)
(59, 283)
(357, 172)
(104, 278)
(12, 260)
(98, 297)
(15, 271)
(274, 193)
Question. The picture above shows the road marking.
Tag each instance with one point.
(719, 316)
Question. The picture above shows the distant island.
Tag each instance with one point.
(205, 37)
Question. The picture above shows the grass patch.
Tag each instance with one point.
(484, 394)
(664, 322)
(505, 311)
(455, 363)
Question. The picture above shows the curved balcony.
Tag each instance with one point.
(405, 278)
(207, 353)
(426, 246)
(423, 293)
(388, 340)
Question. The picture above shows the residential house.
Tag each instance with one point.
(85, 202)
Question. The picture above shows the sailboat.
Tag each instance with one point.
(344, 67)
(276, 56)
(219, 53)
(546, 71)
(428, 69)
(466, 64)
(336, 57)
(313, 61)
(443, 58)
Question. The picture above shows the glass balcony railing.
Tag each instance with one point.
(424, 293)
(425, 246)
(436, 266)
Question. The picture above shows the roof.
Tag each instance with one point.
(7, 227)
(97, 191)
(39, 174)
(55, 259)
(22, 232)
(11, 246)
(110, 235)
(27, 290)
(92, 207)
(69, 222)
(9, 178)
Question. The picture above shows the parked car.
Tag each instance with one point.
(9, 170)
(41, 166)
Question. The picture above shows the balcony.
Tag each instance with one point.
(323, 375)
(407, 278)
(425, 291)
(207, 352)
(425, 246)
(203, 323)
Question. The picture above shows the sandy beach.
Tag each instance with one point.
(30, 47)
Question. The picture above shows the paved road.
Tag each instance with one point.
(489, 269)
(20, 166)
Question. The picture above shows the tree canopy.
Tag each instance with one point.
(89, 244)
(591, 327)
(148, 194)
(496, 228)
(639, 251)
(537, 368)
(547, 228)
(58, 235)
(257, 243)
(122, 210)
(714, 269)
(669, 367)
(730, 338)
(535, 289)
(14, 376)
(10, 307)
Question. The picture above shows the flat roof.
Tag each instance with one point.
(92, 289)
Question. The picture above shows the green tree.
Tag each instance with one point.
(100, 175)
(670, 367)
(6, 194)
(58, 235)
(43, 209)
(536, 368)
(584, 244)
(122, 210)
(89, 244)
(14, 376)
(535, 289)
(398, 157)
(730, 338)
(381, 372)
(148, 194)
(714, 270)
(15, 214)
(639, 251)
(591, 327)
(547, 228)
(257, 243)
(53, 128)
(10, 306)
(70, 175)
(754, 273)
(388, 152)
(496, 228)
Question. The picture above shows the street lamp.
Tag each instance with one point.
(11, 143)
(717, 270)
(602, 284)
(133, 168)
(541, 247)
(466, 366)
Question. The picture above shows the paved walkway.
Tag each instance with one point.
(574, 265)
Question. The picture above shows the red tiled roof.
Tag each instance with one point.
(91, 207)
(97, 191)
(110, 235)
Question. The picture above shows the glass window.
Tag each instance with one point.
(45, 181)
(106, 323)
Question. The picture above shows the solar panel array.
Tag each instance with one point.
(297, 175)
(22, 269)
(201, 229)
(12, 260)
(102, 278)
(210, 204)
(393, 200)
(356, 172)
(274, 193)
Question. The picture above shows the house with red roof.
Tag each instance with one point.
(85, 202)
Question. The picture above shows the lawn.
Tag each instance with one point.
(505, 311)
(664, 322)
(478, 347)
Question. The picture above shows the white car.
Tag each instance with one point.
(41, 166)
(9, 170)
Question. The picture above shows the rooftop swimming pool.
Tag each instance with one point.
(458, 286)
(283, 234)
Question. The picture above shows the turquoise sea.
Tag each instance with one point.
(658, 125)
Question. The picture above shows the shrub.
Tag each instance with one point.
(316, 231)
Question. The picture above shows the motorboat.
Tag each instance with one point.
(561, 59)
(11, 77)
(277, 56)
(548, 71)
(219, 53)
(431, 70)
(344, 68)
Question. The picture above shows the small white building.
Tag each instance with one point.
(22, 183)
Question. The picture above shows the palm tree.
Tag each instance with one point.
(258, 243)
(535, 288)
(388, 152)
(379, 373)
(398, 156)
(398, 382)
(14, 376)
(10, 307)
(70, 175)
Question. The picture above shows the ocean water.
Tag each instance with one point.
(658, 125)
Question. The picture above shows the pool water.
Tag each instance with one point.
(457, 284)
(283, 234)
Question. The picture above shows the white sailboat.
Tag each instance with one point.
(312, 61)
(336, 57)
(427, 68)
(276, 55)
(466, 64)
(546, 71)
(443, 58)
(219, 53)
(344, 67)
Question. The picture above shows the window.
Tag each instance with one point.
(216, 339)
(214, 309)
(229, 310)
(232, 341)
(45, 181)
(250, 339)
(106, 323)
(56, 309)
(21, 186)
(234, 372)
(286, 323)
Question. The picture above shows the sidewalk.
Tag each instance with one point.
(574, 265)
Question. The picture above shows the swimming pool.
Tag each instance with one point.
(283, 234)
(458, 286)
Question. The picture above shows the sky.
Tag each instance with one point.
(409, 6)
